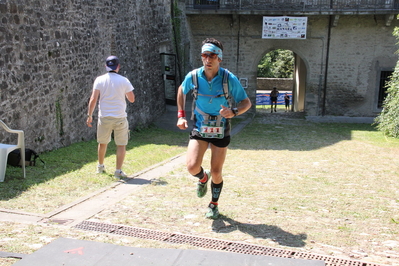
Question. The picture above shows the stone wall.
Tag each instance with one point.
(267, 84)
(52, 50)
(361, 47)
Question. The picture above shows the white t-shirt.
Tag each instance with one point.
(113, 88)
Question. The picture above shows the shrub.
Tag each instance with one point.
(388, 120)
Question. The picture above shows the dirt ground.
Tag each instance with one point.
(328, 189)
(324, 188)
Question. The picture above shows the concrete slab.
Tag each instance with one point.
(168, 120)
(72, 252)
(16, 216)
(85, 208)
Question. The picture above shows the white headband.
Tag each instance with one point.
(209, 47)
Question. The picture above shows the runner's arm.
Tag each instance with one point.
(181, 103)
(242, 107)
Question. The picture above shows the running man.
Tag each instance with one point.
(211, 119)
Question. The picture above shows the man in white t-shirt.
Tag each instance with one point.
(110, 90)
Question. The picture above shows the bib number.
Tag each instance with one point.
(210, 130)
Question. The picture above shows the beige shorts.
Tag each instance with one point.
(120, 127)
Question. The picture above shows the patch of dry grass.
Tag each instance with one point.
(331, 189)
(325, 188)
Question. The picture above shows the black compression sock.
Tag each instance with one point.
(200, 175)
(216, 190)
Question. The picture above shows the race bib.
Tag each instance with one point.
(210, 130)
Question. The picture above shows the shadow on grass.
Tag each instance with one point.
(226, 225)
(149, 146)
(287, 131)
(145, 148)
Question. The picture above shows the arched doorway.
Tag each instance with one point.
(285, 70)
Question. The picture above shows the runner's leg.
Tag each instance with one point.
(217, 161)
(195, 154)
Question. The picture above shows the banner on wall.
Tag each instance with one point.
(284, 27)
(264, 98)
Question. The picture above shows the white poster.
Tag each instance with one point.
(284, 27)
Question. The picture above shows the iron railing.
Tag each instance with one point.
(306, 6)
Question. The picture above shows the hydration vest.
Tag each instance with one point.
(195, 95)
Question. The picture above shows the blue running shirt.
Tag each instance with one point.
(208, 92)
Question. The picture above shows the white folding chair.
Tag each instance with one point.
(5, 149)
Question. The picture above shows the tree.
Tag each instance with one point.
(277, 64)
(388, 120)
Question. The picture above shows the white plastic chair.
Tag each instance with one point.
(5, 149)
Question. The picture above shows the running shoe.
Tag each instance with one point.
(119, 174)
(202, 188)
(100, 168)
(213, 212)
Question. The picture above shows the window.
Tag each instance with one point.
(382, 93)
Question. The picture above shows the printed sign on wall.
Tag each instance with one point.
(284, 27)
(264, 98)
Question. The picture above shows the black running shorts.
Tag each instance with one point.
(221, 143)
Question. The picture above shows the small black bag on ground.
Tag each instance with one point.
(14, 158)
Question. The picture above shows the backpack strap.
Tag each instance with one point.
(35, 156)
(194, 77)
(206, 117)
(226, 86)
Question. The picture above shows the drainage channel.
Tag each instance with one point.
(214, 244)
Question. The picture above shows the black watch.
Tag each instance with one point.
(235, 111)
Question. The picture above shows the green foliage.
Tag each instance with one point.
(277, 64)
(388, 120)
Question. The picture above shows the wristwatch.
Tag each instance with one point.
(235, 111)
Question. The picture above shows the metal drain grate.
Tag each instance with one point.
(214, 244)
(198, 241)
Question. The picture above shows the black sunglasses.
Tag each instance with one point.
(211, 56)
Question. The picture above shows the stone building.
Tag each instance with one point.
(52, 50)
(341, 65)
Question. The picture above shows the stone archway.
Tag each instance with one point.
(297, 85)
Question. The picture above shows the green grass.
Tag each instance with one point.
(329, 189)
(69, 172)
(280, 107)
